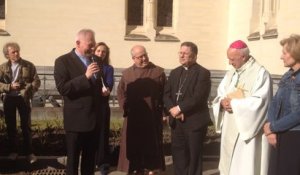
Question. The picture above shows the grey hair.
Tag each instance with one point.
(132, 49)
(83, 33)
(10, 44)
(245, 52)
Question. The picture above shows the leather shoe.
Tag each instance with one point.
(31, 158)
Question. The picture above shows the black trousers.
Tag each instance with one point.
(285, 158)
(187, 149)
(84, 144)
(103, 151)
(10, 107)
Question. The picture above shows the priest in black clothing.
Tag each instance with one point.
(185, 98)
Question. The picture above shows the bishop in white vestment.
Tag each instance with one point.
(240, 110)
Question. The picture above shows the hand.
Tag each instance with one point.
(174, 111)
(267, 130)
(180, 117)
(15, 86)
(105, 92)
(272, 139)
(165, 119)
(225, 103)
(91, 70)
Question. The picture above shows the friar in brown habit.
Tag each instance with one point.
(140, 95)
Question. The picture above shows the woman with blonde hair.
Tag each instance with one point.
(283, 126)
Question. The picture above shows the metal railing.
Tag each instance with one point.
(48, 95)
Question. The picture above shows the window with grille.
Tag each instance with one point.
(2, 9)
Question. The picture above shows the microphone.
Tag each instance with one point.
(94, 60)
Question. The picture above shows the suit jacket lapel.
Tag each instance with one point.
(82, 68)
(78, 63)
(177, 74)
(188, 81)
(20, 74)
(8, 71)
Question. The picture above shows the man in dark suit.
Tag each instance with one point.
(76, 77)
(185, 97)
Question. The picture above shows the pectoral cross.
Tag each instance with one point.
(178, 94)
(181, 83)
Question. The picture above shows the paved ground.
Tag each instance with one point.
(210, 167)
(55, 166)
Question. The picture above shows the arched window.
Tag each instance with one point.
(2, 9)
(2, 19)
(270, 11)
(264, 19)
(255, 21)
(148, 19)
(164, 13)
(135, 12)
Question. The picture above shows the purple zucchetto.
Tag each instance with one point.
(238, 44)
